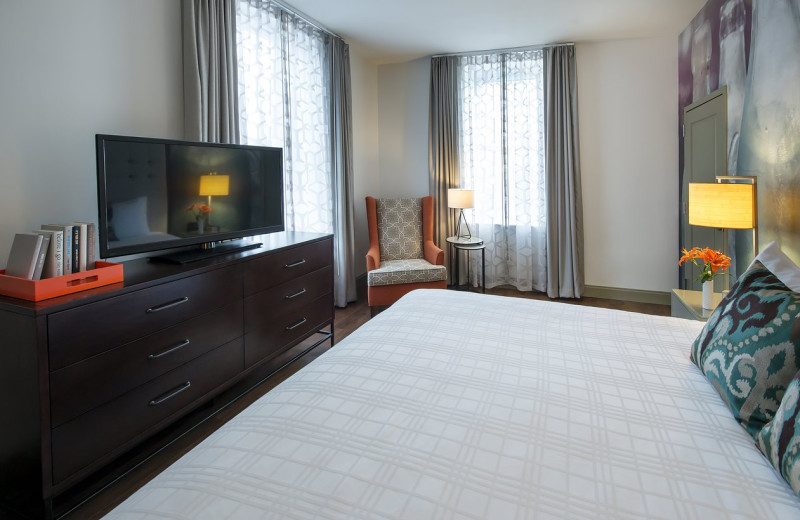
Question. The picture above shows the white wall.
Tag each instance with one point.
(366, 165)
(403, 126)
(627, 95)
(71, 70)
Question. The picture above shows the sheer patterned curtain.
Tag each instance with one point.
(294, 92)
(502, 159)
(284, 100)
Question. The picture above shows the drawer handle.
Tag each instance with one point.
(295, 295)
(169, 350)
(292, 327)
(165, 306)
(172, 393)
(301, 262)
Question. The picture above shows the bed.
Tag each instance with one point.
(454, 405)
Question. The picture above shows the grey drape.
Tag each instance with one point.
(565, 275)
(210, 100)
(443, 135)
(344, 289)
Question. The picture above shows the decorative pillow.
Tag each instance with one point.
(399, 228)
(747, 350)
(780, 265)
(779, 440)
(130, 218)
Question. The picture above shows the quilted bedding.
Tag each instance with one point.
(454, 405)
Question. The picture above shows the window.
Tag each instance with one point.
(502, 159)
(284, 100)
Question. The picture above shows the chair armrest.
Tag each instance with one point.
(432, 253)
(373, 258)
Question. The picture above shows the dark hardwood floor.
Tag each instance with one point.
(346, 321)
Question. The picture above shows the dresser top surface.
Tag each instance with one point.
(142, 272)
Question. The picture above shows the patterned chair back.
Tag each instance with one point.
(399, 228)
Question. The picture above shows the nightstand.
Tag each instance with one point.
(689, 304)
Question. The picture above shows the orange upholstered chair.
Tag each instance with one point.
(402, 256)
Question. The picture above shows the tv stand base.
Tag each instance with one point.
(194, 255)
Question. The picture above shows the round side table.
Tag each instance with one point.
(468, 245)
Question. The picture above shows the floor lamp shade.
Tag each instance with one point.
(721, 205)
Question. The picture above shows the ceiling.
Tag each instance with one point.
(387, 31)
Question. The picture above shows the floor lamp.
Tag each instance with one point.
(730, 203)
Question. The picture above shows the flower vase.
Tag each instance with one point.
(201, 226)
(708, 294)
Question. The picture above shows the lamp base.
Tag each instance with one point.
(462, 219)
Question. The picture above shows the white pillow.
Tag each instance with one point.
(130, 218)
(780, 265)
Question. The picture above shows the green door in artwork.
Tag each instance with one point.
(705, 144)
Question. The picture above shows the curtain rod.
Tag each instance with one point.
(304, 17)
(507, 49)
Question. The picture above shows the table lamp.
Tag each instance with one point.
(213, 184)
(461, 200)
(725, 205)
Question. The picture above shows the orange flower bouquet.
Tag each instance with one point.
(199, 210)
(714, 262)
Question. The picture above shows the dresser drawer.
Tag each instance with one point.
(275, 331)
(84, 440)
(79, 333)
(284, 265)
(87, 384)
(287, 298)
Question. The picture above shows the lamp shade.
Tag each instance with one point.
(214, 184)
(721, 205)
(457, 198)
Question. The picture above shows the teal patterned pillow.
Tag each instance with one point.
(779, 440)
(747, 349)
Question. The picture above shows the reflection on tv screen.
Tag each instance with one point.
(159, 194)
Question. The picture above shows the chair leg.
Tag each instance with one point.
(372, 312)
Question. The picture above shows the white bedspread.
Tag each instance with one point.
(463, 406)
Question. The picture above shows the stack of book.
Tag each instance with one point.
(55, 250)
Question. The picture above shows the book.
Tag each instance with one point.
(24, 255)
(91, 238)
(76, 249)
(45, 245)
(67, 244)
(81, 242)
(54, 261)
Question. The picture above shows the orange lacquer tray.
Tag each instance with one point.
(104, 273)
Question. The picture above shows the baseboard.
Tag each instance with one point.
(591, 291)
(630, 295)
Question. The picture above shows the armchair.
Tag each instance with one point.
(402, 256)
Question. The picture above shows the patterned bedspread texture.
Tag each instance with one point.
(453, 405)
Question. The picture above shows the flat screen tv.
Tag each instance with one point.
(157, 194)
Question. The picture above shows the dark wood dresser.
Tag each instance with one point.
(88, 377)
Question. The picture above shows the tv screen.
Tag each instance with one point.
(156, 194)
